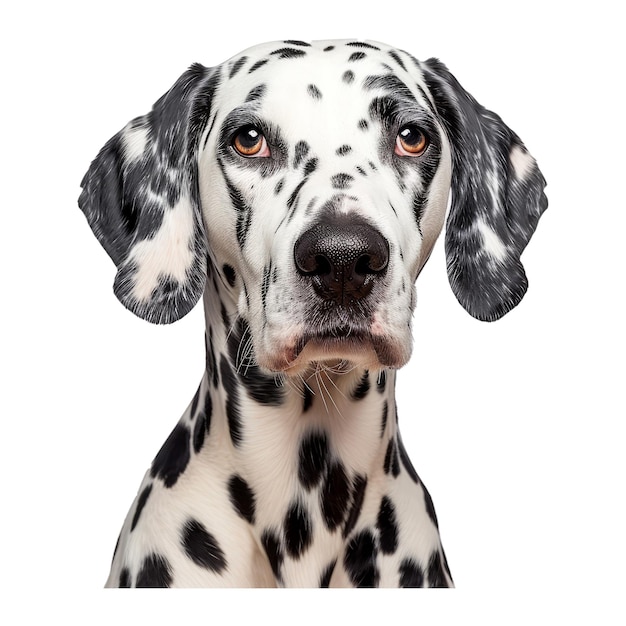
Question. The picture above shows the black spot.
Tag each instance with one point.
(294, 194)
(363, 125)
(237, 66)
(208, 409)
(288, 53)
(360, 560)
(327, 574)
(384, 420)
(343, 150)
(373, 165)
(202, 547)
(419, 204)
(362, 388)
(335, 496)
(394, 86)
(274, 551)
(308, 398)
(256, 93)
(348, 77)
(361, 171)
(396, 57)
(265, 285)
(211, 362)
(257, 65)
(233, 414)
(357, 56)
(242, 498)
(310, 167)
(203, 424)
(298, 530)
(391, 459)
(194, 403)
(141, 502)
(362, 44)
(279, 186)
(225, 317)
(387, 526)
(381, 381)
(436, 576)
(297, 42)
(312, 459)
(171, 460)
(155, 572)
(358, 494)
(408, 466)
(230, 274)
(388, 453)
(314, 92)
(242, 210)
(124, 579)
(300, 151)
(411, 574)
(341, 181)
(329, 48)
(430, 507)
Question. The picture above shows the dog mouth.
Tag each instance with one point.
(343, 343)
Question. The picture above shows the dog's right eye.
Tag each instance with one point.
(411, 141)
(250, 142)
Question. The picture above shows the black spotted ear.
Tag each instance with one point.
(497, 199)
(141, 199)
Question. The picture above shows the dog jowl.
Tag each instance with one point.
(300, 188)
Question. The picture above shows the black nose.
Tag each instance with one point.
(342, 257)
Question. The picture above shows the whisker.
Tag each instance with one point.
(321, 387)
(330, 395)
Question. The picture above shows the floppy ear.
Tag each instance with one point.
(140, 196)
(497, 199)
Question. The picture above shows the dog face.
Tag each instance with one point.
(323, 213)
(313, 180)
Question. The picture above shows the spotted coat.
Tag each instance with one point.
(301, 187)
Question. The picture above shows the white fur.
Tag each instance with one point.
(135, 142)
(168, 254)
(492, 244)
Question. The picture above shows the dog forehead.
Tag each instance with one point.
(285, 70)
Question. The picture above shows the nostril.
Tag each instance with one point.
(372, 263)
(314, 265)
(363, 265)
(322, 265)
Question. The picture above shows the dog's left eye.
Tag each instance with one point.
(411, 141)
(250, 142)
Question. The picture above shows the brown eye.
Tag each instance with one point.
(250, 142)
(411, 141)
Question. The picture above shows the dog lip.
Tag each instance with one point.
(349, 341)
(342, 334)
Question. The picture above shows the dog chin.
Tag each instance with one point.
(341, 354)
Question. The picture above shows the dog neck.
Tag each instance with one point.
(345, 412)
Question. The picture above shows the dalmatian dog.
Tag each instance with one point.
(300, 188)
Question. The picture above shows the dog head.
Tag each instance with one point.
(314, 180)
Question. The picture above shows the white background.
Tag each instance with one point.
(516, 426)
